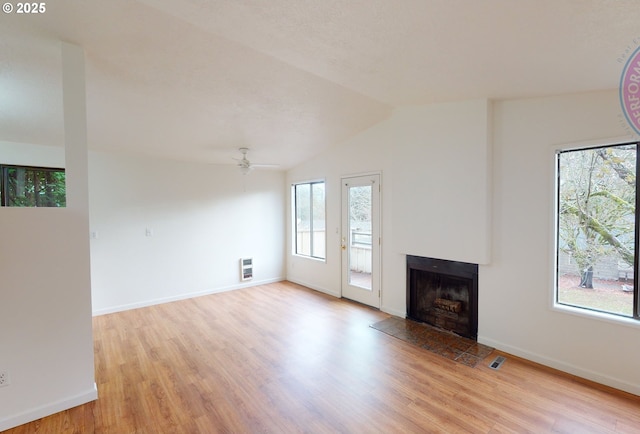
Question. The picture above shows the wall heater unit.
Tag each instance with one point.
(246, 268)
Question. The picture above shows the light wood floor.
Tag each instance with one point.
(280, 358)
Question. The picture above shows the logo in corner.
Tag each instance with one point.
(630, 90)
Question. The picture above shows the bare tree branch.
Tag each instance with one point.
(593, 224)
(623, 172)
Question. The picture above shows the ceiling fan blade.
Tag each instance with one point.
(246, 166)
(265, 165)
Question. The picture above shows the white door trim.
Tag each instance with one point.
(374, 298)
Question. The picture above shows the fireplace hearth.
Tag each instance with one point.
(444, 294)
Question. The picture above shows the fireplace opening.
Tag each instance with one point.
(444, 294)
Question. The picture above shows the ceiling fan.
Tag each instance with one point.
(245, 165)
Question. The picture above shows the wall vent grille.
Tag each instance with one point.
(246, 269)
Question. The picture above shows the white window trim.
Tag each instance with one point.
(294, 253)
(553, 304)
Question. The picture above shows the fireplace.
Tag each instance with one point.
(444, 294)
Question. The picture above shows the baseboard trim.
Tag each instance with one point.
(394, 312)
(316, 288)
(185, 296)
(391, 311)
(49, 409)
(562, 366)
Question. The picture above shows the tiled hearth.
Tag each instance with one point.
(441, 342)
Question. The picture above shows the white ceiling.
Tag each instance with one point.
(196, 79)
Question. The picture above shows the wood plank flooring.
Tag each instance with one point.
(281, 358)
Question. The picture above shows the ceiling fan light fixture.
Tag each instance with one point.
(245, 165)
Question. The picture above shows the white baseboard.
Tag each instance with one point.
(316, 288)
(49, 409)
(152, 302)
(562, 366)
(394, 312)
(391, 311)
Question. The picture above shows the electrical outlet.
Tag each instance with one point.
(4, 378)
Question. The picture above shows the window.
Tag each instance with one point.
(24, 186)
(597, 229)
(309, 219)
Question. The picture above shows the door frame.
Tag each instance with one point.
(376, 264)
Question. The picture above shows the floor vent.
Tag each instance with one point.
(497, 362)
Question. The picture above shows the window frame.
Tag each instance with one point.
(294, 214)
(4, 183)
(634, 319)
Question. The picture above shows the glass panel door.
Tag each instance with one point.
(361, 239)
(360, 236)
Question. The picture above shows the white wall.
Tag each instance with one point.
(441, 179)
(426, 154)
(504, 172)
(516, 288)
(46, 343)
(31, 155)
(203, 219)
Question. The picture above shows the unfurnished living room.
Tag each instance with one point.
(319, 216)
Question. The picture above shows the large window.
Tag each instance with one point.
(25, 186)
(309, 230)
(597, 229)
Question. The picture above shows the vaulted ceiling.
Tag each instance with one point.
(195, 79)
